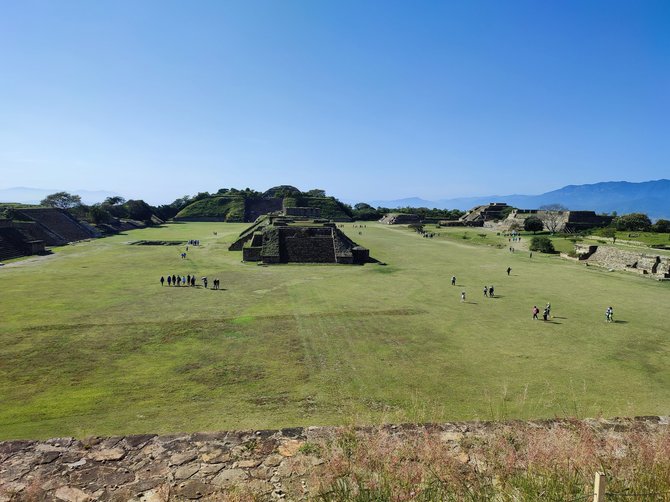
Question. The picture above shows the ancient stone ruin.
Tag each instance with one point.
(15, 242)
(564, 221)
(400, 219)
(502, 217)
(302, 212)
(277, 239)
(31, 229)
(650, 265)
(477, 216)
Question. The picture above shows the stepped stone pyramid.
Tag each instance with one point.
(279, 239)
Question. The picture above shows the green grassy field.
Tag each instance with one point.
(90, 343)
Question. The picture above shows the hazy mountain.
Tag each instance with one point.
(650, 197)
(27, 195)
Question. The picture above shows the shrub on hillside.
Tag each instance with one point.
(633, 221)
(533, 224)
(542, 244)
(661, 226)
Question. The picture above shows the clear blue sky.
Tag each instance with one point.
(367, 100)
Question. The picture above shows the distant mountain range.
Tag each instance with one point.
(27, 195)
(650, 197)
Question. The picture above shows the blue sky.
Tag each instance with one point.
(367, 100)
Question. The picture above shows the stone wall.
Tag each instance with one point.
(266, 464)
(400, 219)
(309, 249)
(61, 226)
(256, 208)
(609, 257)
(303, 212)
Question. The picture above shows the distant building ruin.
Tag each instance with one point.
(501, 216)
(648, 264)
(479, 215)
(562, 221)
(400, 219)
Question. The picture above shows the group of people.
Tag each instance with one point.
(546, 314)
(178, 280)
(187, 280)
(488, 291)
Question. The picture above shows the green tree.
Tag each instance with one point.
(637, 222)
(553, 207)
(98, 214)
(533, 224)
(609, 232)
(61, 200)
(542, 244)
(114, 201)
(362, 205)
(138, 210)
(661, 226)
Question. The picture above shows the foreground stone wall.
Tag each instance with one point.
(653, 265)
(265, 464)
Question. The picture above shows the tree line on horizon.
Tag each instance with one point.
(118, 207)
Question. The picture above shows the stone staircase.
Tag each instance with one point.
(61, 227)
(11, 244)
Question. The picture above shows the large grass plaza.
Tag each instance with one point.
(90, 343)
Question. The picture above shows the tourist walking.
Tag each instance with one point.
(535, 312)
(162, 280)
(486, 291)
(609, 314)
(509, 269)
(453, 280)
(462, 296)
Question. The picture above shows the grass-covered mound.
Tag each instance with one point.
(239, 206)
(330, 207)
(220, 208)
